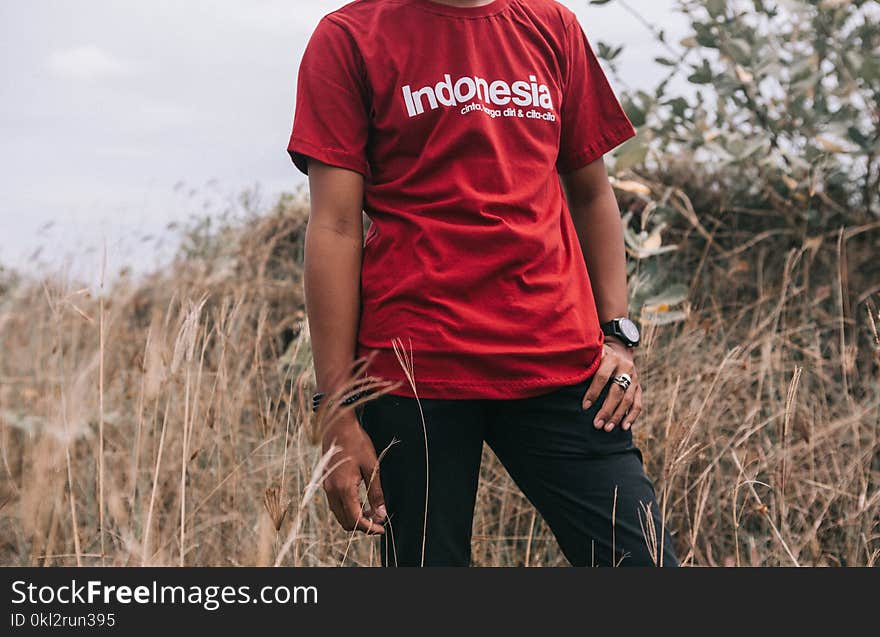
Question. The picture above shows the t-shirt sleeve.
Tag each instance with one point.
(331, 122)
(593, 122)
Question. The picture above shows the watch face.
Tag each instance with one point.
(629, 329)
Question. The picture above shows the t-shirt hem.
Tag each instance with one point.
(457, 389)
(609, 140)
(301, 151)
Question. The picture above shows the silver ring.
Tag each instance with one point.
(623, 380)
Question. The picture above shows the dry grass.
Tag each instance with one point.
(165, 422)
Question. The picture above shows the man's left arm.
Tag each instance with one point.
(600, 232)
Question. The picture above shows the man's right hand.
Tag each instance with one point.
(356, 462)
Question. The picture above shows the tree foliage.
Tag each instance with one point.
(781, 104)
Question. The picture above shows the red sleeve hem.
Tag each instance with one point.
(301, 151)
(609, 140)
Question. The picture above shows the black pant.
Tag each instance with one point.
(567, 468)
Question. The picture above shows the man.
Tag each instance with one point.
(491, 284)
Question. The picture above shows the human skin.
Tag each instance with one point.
(333, 254)
(600, 233)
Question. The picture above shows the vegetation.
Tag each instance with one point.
(164, 420)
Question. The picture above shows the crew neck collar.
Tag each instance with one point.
(463, 12)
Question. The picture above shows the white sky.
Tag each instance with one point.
(120, 116)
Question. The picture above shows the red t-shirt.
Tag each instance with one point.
(461, 119)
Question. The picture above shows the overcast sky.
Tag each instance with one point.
(118, 117)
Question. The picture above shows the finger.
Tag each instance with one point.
(368, 513)
(335, 505)
(337, 500)
(355, 520)
(612, 400)
(375, 497)
(617, 418)
(600, 379)
(635, 411)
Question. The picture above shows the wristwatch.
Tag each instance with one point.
(623, 329)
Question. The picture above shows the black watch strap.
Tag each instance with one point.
(623, 329)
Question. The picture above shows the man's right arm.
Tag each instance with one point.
(333, 252)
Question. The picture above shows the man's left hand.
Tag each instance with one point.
(621, 408)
